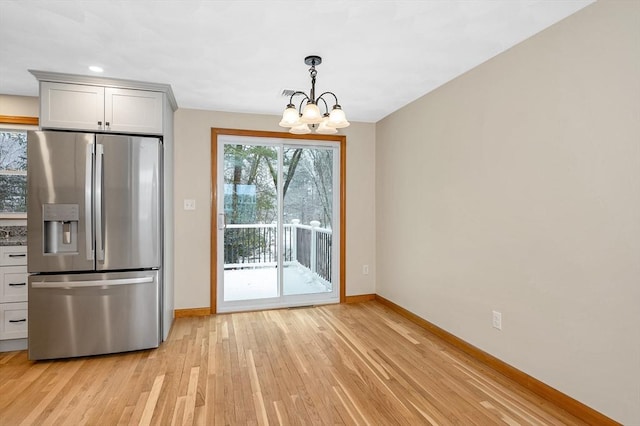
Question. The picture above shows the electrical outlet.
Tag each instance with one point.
(189, 204)
(365, 269)
(497, 320)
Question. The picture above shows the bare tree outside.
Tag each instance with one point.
(250, 191)
(13, 171)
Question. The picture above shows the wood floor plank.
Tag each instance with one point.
(43, 398)
(328, 365)
(150, 404)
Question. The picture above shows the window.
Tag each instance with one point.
(13, 171)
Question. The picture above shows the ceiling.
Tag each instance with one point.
(239, 55)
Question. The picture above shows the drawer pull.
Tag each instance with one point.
(18, 255)
(20, 320)
(16, 284)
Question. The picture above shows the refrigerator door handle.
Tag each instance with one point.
(102, 283)
(98, 202)
(87, 203)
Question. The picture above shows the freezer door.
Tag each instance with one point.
(91, 314)
(128, 200)
(59, 185)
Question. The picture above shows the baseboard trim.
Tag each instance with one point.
(578, 409)
(360, 298)
(191, 312)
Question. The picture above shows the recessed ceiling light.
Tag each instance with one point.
(96, 68)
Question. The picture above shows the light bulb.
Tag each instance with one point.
(300, 129)
(323, 129)
(311, 114)
(290, 116)
(337, 118)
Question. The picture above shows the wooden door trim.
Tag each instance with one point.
(18, 119)
(215, 132)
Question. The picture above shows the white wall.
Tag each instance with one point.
(516, 187)
(22, 106)
(193, 181)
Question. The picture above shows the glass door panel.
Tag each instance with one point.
(308, 220)
(250, 216)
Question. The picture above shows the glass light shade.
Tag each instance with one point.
(311, 114)
(323, 129)
(337, 118)
(290, 116)
(300, 129)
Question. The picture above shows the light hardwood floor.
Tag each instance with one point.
(339, 364)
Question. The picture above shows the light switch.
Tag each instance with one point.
(189, 204)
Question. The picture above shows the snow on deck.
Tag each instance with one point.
(261, 282)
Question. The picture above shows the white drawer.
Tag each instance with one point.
(13, 255)
(13, 284)
(14, 320)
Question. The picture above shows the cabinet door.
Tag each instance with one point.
(133, 111)
(71, 106)
(13, 284)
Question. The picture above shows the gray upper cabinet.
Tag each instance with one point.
(71, 106)
(133, 111)
(102, 109)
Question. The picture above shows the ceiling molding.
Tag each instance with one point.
(58, 77)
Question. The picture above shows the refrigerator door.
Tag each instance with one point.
(59, 182)
(91, 314)
(127, 202)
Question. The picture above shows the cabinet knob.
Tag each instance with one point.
(107, 124)
(99, 123)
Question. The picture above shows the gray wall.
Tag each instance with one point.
(516, 188)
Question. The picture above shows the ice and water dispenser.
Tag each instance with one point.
(60, 228)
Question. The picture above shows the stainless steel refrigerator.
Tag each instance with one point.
(94, 230)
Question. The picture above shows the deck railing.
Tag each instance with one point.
(254, 245)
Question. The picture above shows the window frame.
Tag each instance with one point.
(221, 132)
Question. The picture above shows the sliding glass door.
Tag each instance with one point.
(277, 220)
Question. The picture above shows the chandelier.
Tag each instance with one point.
(299, 119)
